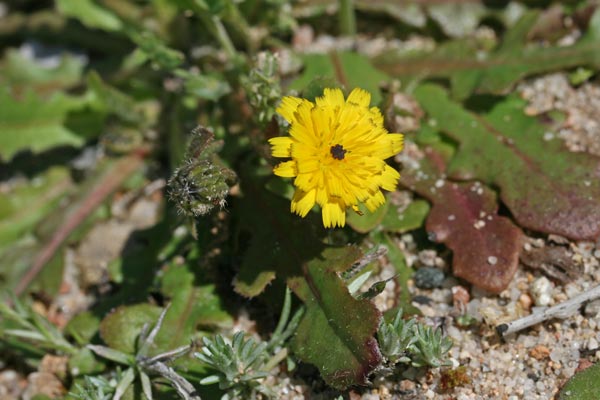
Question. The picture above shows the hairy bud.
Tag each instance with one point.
(201, 184)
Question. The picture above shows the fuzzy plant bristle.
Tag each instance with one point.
(200, 184)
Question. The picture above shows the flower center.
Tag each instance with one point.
(338, 152)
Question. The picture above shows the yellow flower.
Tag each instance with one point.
(337, 149)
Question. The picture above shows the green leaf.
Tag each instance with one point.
(121, 328)
(584, 385)
(499, 70)
(276, 242)
(209, 87)
(546, 187)
(336, 331)
(85, 363)
(24, 205)
(368, 220)
(403, 271)
(19, 71)
(156, 50)
(191, 306)
(405, 220)
(34, 123)
(90, 14)
(349, 69)
(113, 101)
(112, 354)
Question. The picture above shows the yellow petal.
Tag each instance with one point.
(359, 97)
(375, 201)
(307, 165)
(389, 146)
(331, 97)
(334, 214)
(302, 126)
(288, 107)
(303, 202)
(389, 178)
(286, 169)
(281, 146)
(376, 116)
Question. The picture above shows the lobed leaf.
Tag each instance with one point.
(464, 216)
(546, 188)
(34, 123)
(499, 70)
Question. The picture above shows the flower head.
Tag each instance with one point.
(337, 149)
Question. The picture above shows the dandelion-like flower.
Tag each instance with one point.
(337, 149)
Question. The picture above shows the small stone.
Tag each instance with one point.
(43, 383)
(540, 352)
(460, 298)
(427, 257)
(492, 260)
(592, 309)
(525, 301)
(407, 386)
(541, 290)
(428, 278)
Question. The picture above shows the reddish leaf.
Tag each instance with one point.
(546, 188)
(486, 246)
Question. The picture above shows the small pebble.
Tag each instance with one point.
(541, 289)
(428, 278)
(525, 301)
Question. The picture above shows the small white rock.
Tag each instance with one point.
(542, 291)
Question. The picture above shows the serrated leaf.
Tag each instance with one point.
(584, 385)
(464, 216)
(121, 328)
(19, 71)
(347, 68)
(499, 70)
(546, 188)
(34, 123)
(336, 331)
(90, 14)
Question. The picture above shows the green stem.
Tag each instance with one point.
(347, 18)
(234, 17)
(276, 359)
(215, 26)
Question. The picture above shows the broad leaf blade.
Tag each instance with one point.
(277, 242)
(190, 306)
(336, 332)
(584, 385)
(546, 188)
(121, 328)
(35, 124)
